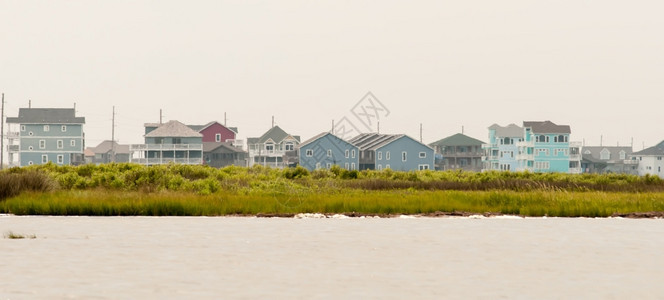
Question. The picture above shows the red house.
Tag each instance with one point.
(215, 132)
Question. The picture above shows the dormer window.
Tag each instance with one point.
(623, 155)
(217, 137)
(605, 154)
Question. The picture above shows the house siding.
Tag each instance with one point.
(32, 135)
(319, 149)
(396, 149)
(209, 133)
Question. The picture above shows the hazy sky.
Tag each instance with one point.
(597, 66)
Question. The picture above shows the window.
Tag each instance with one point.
(269, 147)
(423, 155)
(346, 166)
(560, 139)
(387, 166)
(329, 152)
(289, 147)
(404, 155)
(61, 159)
(659, 158)
(605, 154)
(42, 144)
(328, 165)
(60, 144)
(379, 167)
(622, 154)
(542, 165)
(217, 137)
(46, 128)
(347, 154)
(22, 127)
(423, 167)
(542, 139)
(64, 128)
(379, 156)
(44, 158)
(72, 143)
(310, 152)
(387, 155)
(317, 165)
(542, 152)
(352, 166)
(158, 140)
(352, 154)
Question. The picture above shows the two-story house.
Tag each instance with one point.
(651, 160)
(108, 152)
(171, 142)
(326, 150)
(459, 151)
(223, 154)
(501, 151)
(48, 135)
(546, 148)
(392, 151)
(607, 159)
(275, 148)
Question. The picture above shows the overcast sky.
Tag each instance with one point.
(597, 66)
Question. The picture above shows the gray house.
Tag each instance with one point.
(275, 148)
(601, 159)
(392, 151)
(109, 151)
(325, 150)
(171, 142)
(47, 135)
(459, 151)
(224, 154)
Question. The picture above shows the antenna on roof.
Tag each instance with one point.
(332, 130)
(272, 121)
(378, 127)
(420, 132)
(632, 143)
(224, 118)
(160, 116)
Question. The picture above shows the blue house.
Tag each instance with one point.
(326, 150)
(47, 135)
(546, 148)
(171, 142)
(501, 151)
(393, 151)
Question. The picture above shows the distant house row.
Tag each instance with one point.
(56, 135)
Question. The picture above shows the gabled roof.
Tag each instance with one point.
(656, 150)
(547, 127)
(106, 146)
(596, 152)
(211, 146)
(173, 129)
(511, 130)
(458, 139)
(373, 141)
(318, 136)
(200, 128)
(46, 116)
(276, 134)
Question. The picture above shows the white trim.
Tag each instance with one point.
(328, 165)
(60, 144)
(404, 156)
(63, 128)
(423, 155)
(217, 137)
(309, 153)
(347, 153)
(387, 155)
(47, 128)
(44, 158)
(379, 155)
(329, 152)
(42, 144)
(61, 159)
(72, 143)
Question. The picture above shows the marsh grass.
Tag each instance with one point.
(14, 236)
(178, 190)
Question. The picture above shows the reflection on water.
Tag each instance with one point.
(120, 257)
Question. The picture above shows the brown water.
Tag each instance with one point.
(143, 257)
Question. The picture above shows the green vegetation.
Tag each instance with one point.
(181, 190)
(13, 236)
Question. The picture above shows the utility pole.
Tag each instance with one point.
(113, 137)
(160, 117)
(2, 133)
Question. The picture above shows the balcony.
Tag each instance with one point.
(630, 162)
(12, 135)
(525, 157)
(575, 170)
(13, 148)
(525, 144)
(488, 146)
(575, 157)
(575, 144)
(164, 160)
(165, 147)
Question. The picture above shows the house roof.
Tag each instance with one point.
(46, 116)
(276, 134)
(200, 128)
(106, 146)
(547, 127)
(654, 150)
(88, 152)
(211, 146)
(318, 136)
(511, 130)
(458, 139)
(173, 129)
(596, 151)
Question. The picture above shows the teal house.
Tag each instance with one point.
(546, 148)
(47, 135)
(171, 142)
(326, 150)
(501, 151)
(392, 151)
